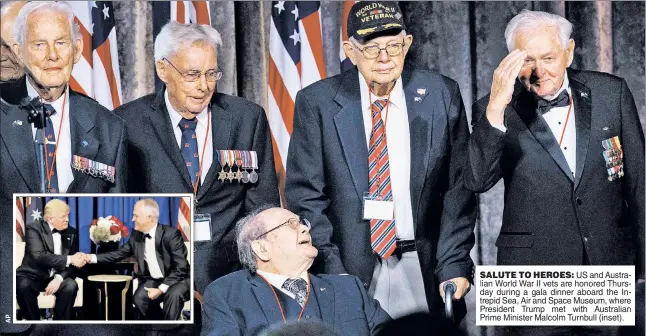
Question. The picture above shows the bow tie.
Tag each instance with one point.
(543, 106)
(57, 231)
(147, 236)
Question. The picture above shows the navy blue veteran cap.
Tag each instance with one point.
(369, 17)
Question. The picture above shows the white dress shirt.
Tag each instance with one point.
(396, 283)
(398, 142)
(58, 250)
(277, 280)
(150, 256)
(64, 152)
(200, 133)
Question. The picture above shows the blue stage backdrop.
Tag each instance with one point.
(84, 209)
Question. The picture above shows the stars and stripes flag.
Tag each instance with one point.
(346, 64)
(295, 61)
(182, 12)
(97, 72)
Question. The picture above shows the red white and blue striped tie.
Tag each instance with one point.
(382, 232)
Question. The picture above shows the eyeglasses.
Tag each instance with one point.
(194, 75)
(373, 51)
(293, 223)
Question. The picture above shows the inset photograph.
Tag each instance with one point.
(118, 259)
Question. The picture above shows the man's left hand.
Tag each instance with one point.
(154, 293)
(53, 286)
(463, 287)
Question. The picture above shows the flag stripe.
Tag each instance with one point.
(103, 51)
(283, 62)
(76, 86)
(281, 97)
(312, 25)
(278, 129)
(202, 12)
(87, 41)
(180, 14)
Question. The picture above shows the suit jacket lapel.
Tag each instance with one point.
(420, 122)
(66, 243)
(82, 138)
(17, 136)
(350, 129)
(582, 114)
(265, 298)
(139, 252)
(525, 105)
(49, 240)
(161, 123)
(324, 292)
(158, 248)
(221, 136)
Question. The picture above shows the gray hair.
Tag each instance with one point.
(6, 6)
(248, 229)
(19, 26)
(175, 36)
(528, 20)
(151, 206)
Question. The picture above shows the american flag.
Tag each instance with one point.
(97, 72)
(295, 61)
(182, 12)
(346, 64)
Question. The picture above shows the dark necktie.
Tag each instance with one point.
(382, 232)
(543, 106)
(189, 148)
(50, 146)
(147, 236)
(298, 287)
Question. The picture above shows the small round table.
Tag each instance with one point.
(105, 278)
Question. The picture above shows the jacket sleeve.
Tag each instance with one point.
(126, 250)
(456, 237)
(305, 183)
(217, 317)
(180, 270)
(71, 270)
(35, 246)
(375, 315)
(121, 163)
(632, 140)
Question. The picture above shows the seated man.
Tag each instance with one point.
(161, 257)
(50, 249)
(276, 248)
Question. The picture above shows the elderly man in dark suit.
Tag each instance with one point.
(189, 138)
(375, 162)
(570, 148)
(277, 287)
(164, 273)
(81, 134)
(49, 263)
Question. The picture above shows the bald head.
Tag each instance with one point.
(10, 67)
(56, 213)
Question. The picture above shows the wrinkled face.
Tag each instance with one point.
(384, 68)
(546, 62)
(287, 248)
(185, 96)
(59, 219)
(10, 67)
(49, 52)
(142, 218)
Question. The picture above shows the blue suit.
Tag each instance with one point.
(242, 303)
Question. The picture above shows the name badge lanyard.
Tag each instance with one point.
(48, 169)
(280, 306)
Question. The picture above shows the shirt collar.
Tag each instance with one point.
(277, 280)
(565, 86)
(396, 95)
(175, 117)
(57, 104)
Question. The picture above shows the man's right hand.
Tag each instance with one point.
(80, 259)
(502, 86)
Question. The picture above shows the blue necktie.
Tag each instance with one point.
(189, 148)
(52, 186)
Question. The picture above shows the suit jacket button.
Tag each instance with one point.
(579, 201)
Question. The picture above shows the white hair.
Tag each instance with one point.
(151, 206)
(529, 20)
(248, 229)
(175, 36)
(6, 6)
(19, 26)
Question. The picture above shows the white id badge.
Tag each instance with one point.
(377, 207)
(202, 227)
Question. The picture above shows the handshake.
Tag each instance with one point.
(80, 259)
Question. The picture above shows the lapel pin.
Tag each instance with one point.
(418, 99)
(605, 128)
(322, 289)
(421, 92)
(84, 143)
(584, 94)
(17, 123)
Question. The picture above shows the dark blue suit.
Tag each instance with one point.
(242, 303)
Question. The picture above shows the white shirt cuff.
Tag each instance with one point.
(69, 261)
(58, 277)
(163, 288)
(93, 259)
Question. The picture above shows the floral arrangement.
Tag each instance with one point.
(107, 229)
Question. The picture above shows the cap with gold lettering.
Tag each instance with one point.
(369, 17)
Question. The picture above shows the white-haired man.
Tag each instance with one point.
(11, 88)
(570, 148)
(276, 249)
(188, 138)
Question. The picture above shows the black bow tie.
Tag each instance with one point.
(57, 231)
(543, 106)
(147, 236)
